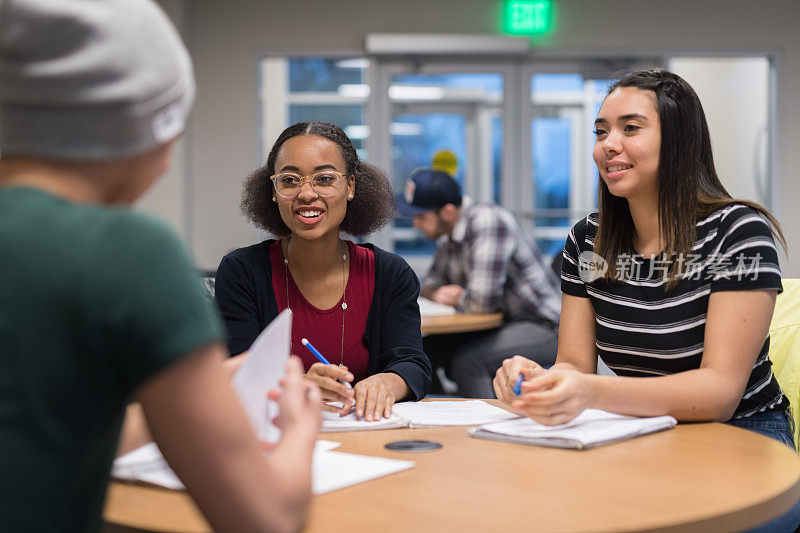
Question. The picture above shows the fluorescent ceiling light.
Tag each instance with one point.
(406, 128)
(444, 43)
(357, 131)
(355, 90)
(414, 92)
(356, 62)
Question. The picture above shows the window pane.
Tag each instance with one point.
(556, 82)
(564, 176)
(324, 74)
(417, 137)
(551, 162)
(348, 117)
(497, 156)
(487, 83)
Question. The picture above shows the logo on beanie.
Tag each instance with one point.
(411, 187)
(168, 122)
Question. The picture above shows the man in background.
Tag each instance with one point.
(484, 263)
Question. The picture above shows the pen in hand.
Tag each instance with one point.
(518, 384)
(321, 359)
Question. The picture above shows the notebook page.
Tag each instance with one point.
(466, 413)
(350, 422)
(592, 427)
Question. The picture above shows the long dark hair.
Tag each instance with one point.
(372, 206)
(688, 186)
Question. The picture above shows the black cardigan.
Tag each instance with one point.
(246, 299)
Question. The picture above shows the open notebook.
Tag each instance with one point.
(590, 429)
(330, 470)
(422, 415)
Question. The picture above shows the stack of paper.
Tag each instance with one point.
(422, 415)
(330, 470)
(590, 429)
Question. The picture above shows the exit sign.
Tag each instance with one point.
(527, 17)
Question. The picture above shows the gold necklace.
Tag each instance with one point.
(344, 293)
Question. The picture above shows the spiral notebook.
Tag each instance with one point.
(591, 429)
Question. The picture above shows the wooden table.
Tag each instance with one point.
(460, 323)
(696, 477)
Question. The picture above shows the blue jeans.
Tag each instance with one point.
(777, 425)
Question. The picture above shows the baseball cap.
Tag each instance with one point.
(428, 190)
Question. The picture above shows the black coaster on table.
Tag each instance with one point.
(413, 446)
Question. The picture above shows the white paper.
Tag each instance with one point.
(330, 470)
(350, 422)
(326, 445)
(262, 368)
(431, 308)
(335, 470)
(592, 427)
(434, 414)
(148, 465)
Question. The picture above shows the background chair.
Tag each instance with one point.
(784, 346)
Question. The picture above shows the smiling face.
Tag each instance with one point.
(309, 215)
(629, 143)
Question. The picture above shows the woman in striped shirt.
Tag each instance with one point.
(673, 280)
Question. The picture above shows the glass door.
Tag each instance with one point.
(562, 104)
(437, 108)
(455, 113)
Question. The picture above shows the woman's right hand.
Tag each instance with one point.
(326, 376)
(507, 375)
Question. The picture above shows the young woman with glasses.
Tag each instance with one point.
(357, 304)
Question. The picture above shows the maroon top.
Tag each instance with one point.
(323, 327)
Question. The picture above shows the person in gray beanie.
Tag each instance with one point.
(100, 305)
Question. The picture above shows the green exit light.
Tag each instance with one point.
(527, 17)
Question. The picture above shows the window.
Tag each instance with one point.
(563, 108)
(329, 89)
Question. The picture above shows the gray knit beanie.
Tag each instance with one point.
(90, 79)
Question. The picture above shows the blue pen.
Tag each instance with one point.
(518, 384)
(321, 358)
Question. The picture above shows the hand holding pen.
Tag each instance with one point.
(509, 377)
(334, 381)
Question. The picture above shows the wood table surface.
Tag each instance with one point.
(696, 477)
(460, 323)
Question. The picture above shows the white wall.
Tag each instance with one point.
(226, 39)
(734, 93)
(167, 199)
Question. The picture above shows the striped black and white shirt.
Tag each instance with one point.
(641, 330)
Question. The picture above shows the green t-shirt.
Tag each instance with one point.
(93, 302)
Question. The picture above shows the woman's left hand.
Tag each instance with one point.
(556, 396)
(376, 395)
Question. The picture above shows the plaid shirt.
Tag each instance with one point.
(498, 266)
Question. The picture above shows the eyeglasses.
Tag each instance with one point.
(324, 183)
